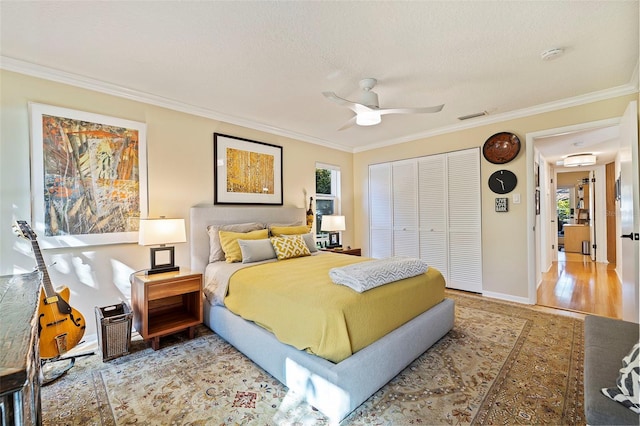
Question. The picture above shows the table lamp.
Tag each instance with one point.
(161, 231)
(333, 224)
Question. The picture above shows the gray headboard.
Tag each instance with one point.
(204, 215)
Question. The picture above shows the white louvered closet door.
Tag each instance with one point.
(432, 196)
(380, 211)
(465, 238)
(405, 208)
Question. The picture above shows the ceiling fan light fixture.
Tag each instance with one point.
(368, 111)
(368, 118)
(580, 160)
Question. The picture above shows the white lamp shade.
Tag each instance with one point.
(161, 231)
(331, 223)
(580, 160)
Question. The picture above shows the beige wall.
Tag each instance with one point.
(504, 235)
(180, 175)
(180, 167)
(570, 179)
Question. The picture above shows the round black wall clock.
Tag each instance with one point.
(501, 148)
(503, 181)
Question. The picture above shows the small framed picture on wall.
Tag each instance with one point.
(502, 205)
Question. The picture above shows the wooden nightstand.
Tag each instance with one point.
(166, 303)
(353, 252)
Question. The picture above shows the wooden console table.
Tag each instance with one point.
(20, 354)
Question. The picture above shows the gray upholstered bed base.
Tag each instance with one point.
(334, 389)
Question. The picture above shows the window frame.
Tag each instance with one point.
(323, 237)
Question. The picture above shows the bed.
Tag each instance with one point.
(334, 388)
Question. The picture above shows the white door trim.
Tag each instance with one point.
(531, 217)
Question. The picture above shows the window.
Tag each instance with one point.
(563, 203)
(327, 196)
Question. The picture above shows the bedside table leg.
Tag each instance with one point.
(192, 332)
(155, 343)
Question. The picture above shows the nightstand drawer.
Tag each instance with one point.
(173, 288)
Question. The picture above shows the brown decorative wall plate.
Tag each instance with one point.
(501, 148)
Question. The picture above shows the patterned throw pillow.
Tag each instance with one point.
(628, 390)
(290, 246)
(230, 246)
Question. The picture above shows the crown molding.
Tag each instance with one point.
(635, 78)
(624, 90)
(39, 71)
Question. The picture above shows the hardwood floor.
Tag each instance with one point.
(576, 283)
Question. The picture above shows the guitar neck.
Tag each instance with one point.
(46, 280)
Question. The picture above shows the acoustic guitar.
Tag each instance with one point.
(60, 327)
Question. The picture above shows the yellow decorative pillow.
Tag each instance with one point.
(215, 249)
(278, 231)
(290, 246)
(230, 246)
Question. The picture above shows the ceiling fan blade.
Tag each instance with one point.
(353, 106)
(384, 111)
(349, 123)
(368, 112)
(337, 99)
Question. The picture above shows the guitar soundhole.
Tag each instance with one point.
(76, 321)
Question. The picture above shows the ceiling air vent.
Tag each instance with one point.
(477, 114)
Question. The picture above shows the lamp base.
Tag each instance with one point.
(162, 260)
(334, 240)
(161, 270)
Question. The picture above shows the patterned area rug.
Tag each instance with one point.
(502, 363)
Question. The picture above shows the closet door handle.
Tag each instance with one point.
(629, 236)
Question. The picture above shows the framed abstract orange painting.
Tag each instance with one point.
(88, 177)
(246, 171)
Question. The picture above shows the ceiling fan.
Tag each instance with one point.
(368, 111)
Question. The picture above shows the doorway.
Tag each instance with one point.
(579, 278)
(563, 206)
(569, 270)
(576, 283)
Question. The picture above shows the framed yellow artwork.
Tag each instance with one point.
(246, 171)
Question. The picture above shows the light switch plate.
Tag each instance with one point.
(516, 198)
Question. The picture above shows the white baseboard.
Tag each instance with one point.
(507, 297)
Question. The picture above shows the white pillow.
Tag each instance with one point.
(310, 241)
(215, 248)
(256, 250)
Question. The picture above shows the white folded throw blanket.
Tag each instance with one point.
(367, 275)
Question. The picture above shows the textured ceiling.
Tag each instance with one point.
(265, 64)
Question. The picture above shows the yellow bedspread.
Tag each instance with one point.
(296, 300)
